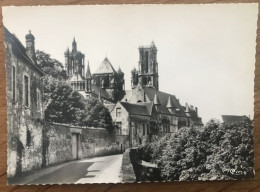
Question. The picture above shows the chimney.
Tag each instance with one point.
(30, 47)
(196, 109)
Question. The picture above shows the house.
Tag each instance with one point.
(133, 123)
(24, 80)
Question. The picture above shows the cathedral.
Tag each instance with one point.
(140, 114)
(105, 83)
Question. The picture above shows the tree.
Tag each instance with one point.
(64, 104)
(50, 66)
(97, 115)
(219, 151)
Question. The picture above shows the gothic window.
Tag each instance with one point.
(98, 81)
(118, 112)
(144, 81)
(106, 81)
(26, 90)
(14, 82)
(146, 62)
(28, 138)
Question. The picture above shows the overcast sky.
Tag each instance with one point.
(206, 53)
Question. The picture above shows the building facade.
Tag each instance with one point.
(24, 105)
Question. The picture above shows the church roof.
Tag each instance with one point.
(105, 67)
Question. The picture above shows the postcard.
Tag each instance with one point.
(130, 93)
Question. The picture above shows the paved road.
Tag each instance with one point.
(92, 170)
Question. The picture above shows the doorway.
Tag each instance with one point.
(75, 146)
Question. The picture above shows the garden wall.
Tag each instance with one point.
(60, 146)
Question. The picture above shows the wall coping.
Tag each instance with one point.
(78, 127)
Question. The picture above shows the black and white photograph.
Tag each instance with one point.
(130, 93)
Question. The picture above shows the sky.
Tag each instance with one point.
(206, 53)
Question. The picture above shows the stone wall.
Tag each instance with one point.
(24, 122)
(58, 143)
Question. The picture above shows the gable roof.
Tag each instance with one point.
(232, 118)
(105, 67)
(163, 98)
(20, 51)
(143, 109)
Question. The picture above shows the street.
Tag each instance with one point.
(91, 170)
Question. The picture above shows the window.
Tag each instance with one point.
(118, 128)
(38, 100)
(146, 62)
(118, 112)
(106, 81)
(13, 82)
(143, 129)
(26, 90)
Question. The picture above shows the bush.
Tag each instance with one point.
(219, 151)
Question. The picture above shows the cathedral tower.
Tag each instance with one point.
(74, 61)
(148, 67)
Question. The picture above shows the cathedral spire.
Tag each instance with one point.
(88, 73)
(74, 45)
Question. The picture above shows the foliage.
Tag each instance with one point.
(96, 115)
(218, 151)
(65, 105)
(50, 66)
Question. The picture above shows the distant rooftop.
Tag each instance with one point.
(232, 118)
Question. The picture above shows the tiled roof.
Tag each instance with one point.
(232, 118)
(138, 108)
(163, 98)
(20, 51)
(105, 67)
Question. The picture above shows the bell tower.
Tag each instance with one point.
(148, 66)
